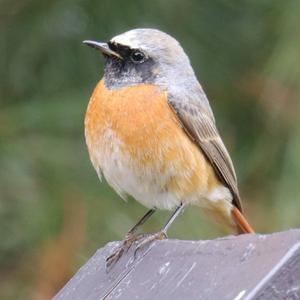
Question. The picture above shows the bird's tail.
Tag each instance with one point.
(240, 220)
(228, 216)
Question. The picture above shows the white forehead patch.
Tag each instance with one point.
(143, 38)
(128, 38)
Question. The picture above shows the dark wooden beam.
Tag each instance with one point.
(234, 267)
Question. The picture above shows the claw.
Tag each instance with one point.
(113, 258)
(125, 246)
(161, 235)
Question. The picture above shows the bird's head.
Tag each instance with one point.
(143, 56)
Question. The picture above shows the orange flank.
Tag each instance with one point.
(150, 133)
(151, 141)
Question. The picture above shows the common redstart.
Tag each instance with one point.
(151, 133)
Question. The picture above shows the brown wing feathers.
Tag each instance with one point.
(199, 123)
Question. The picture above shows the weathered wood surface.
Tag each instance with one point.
(243, 267)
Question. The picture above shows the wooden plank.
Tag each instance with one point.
(283, 281)
(234, 267)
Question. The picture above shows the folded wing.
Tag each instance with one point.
(198, 121)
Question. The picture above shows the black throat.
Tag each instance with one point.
(119, 73)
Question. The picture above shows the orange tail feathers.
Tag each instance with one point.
(243, 225)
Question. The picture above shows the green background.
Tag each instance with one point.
(54, 213)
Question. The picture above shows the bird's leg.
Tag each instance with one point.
(129, 239)
(148, 214)
(162, 234)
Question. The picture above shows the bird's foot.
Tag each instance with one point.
(161, 235)
(123, 248)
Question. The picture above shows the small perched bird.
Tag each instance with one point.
(151, 133)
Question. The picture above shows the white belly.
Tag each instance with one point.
(141, 182)
(126, 178)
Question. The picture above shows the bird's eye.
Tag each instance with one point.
(137, 56)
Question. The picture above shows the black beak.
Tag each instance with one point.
(103, 47)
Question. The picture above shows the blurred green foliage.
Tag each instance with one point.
(54, 213)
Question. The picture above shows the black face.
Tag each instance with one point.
(135, 67)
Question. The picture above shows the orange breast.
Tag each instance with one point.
(150, 139)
